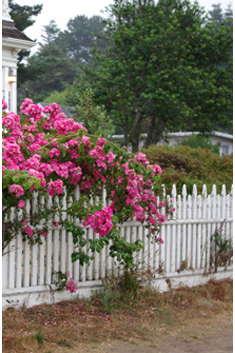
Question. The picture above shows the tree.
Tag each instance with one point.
(216, 14)
(51, 32)
(48, 70)
(161, 69)
(228, 17)
(94, 117)
(81, 35)
(23, 17)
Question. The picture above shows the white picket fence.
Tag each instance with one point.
(183, 259)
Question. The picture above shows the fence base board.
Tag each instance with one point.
(188, 279)
(16, 298)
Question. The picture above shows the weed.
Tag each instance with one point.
(40, 338)
(221, 248)
(65, 343)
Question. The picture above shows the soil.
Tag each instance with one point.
(197, 320)
(208, 335)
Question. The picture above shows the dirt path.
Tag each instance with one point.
(207, 335)
(187, 320)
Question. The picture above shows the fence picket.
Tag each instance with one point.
(199, 233)
(19, 255)
(12, 255)
(34, 248)
(173, 229)
(27, 260)
(179, 256)
(168, 245)
(56, 241)
(194, 227)
(209, 226)
(63, 238)
(204, 226)
(41, 255)
(189, 235)
(49, 249)
(184, 226)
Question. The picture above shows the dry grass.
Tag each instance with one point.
(112, 315)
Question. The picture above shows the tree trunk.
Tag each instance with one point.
(126, 132)
(135, 131)
(156, 129)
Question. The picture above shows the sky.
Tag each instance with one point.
(62, 11)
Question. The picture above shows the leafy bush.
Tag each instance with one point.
(185, 165)
(199, 141)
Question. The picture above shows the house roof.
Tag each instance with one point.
(214, 133)
(10, 31)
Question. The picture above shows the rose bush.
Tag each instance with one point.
(45, 152)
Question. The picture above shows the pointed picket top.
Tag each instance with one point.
(231, 193)
(194, 191)
(77, 193)
(214, 190)
(56, 200)
(184, 191)
(35, 201)
(65, 192)
(49, 201)
(104, 196)
(204, 191)
(28, 206)
(178, 207)
(174, 192)
(189, 206)
(223, 191)
(64, 202)
(199, 202)
(163, 190)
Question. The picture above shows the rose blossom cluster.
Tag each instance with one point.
(59, 152)
(101, 221)
(71, 285)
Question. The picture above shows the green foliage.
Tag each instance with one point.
(153, 76)
(47, 71)
(64, 342)
(22, 15)
(55, 64)
(221, 248)
(59, 97)
(119, 290)
(89, 114)
(185, 165)
(39, 337)
(199, 141)
(81, 34)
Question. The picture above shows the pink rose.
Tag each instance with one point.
(28, 230)
(21, 204)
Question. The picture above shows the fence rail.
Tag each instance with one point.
(29, 270)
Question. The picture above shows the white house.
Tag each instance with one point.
(13, 40)
(174, 139)
(225, 140)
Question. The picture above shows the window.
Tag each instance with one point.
(225, 149)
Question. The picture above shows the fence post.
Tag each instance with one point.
(173, 228)
(184, 216)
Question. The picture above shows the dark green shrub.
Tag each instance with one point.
(184, 165)
(199, 141)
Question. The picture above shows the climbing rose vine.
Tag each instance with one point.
(45, 152)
